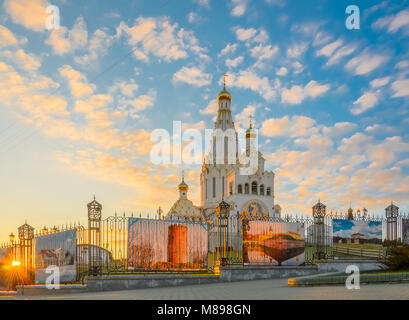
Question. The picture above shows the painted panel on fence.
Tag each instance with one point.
(273, 243)
(364, 234)
(166, 244)
(56, 249)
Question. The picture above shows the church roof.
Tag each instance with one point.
(184, 208)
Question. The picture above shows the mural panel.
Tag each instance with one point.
(56, 249)
(273, 243)
(166, 245)
(355, 233)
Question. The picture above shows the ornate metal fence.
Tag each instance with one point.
(123, 244)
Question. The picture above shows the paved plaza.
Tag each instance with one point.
(246, 290)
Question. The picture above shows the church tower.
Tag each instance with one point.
(250, 194)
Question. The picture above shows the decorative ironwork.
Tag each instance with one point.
(319, 232)
(94, 237)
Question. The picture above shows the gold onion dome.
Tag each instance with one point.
(224, 94)
(250, 132)
(183, 185)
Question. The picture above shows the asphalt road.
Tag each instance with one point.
(245, 290)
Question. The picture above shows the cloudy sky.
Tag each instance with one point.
(78, 103)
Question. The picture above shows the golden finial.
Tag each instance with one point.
(251, 121)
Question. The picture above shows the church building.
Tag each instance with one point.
(250, 196)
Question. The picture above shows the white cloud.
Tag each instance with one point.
(211, 108)
(26, 61)
(193, 75)
(340, 53)
(297, 50)
(365, 102)
(297, 67)
(161, 38)
(402, 64)
(329, 49)
(228, 49)
(232, 63)
(134, 106)
(7, 37)
(339, 129)
(296, 94)
(282, 71)
(365, 63)
(238, 7)
(98, 47)
(77, 38)
(251, 35)
(242, 118)
(31, 14)
(294, 126)
(400, 88)
(321, 38)
(248, 79)
(393, 23)
(262, 54)
(77, 82)
(380, 82)
(313, 89)
(193, 17)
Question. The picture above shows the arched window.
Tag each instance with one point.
(239, 189)
(223, 186)
(262, 189)
(246, 188)
(214, 187)
(268, 191)
(254, 187)
(230, 188)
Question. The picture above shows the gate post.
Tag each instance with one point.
(318, 212)
(26, 236)
(392, 213)
(94, 237)
(222, 214)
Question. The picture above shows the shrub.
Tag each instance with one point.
(398, 258)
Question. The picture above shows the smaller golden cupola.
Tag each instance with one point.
(183, 188)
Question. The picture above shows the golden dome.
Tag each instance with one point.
(350, 210)
(224, 94)
(183, 185)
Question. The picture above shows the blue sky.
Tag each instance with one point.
(79, 103)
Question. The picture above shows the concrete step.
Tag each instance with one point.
(41, 289)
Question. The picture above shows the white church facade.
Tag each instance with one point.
(250, 195)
